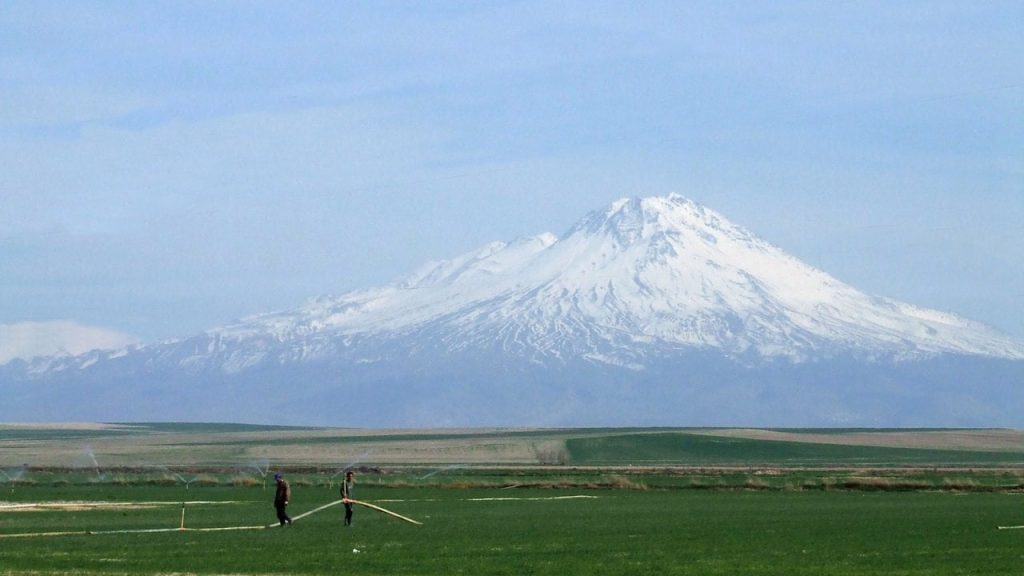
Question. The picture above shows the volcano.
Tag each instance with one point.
(651, 311)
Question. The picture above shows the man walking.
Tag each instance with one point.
(346, 495)
(281, 498)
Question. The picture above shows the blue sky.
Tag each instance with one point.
(170, 166)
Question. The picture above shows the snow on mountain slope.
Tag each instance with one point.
(660, 273)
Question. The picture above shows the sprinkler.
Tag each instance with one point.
(14, 474)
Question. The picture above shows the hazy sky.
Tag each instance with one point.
(167, 167)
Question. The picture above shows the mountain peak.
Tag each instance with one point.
(630, 220)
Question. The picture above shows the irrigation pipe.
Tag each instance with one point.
(335, 503)
(493, 499)
(63, 505)
(304, 514)
(182, 528)
(577, 497)
(1011, 527)
(386, 511)
(314, 510)
(32, 534)
(89, 532)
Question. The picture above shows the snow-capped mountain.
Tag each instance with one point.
(642, 273)
(640, 300)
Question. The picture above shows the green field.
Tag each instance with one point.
(523, 532)
(525, 501)
(703, 450)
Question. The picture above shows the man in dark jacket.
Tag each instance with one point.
(346, 496)
(281, 498)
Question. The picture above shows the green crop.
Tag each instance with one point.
(520, 531)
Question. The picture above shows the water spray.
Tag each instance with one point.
(178, 477)
(347, 467)
(444, 469)
(95, 463)
(262, 467)
(14, 474)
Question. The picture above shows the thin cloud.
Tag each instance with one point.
(27, 340)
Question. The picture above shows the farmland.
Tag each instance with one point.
(561, 502)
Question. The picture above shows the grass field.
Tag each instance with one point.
(474, 531)
(702, 450)
(587, 501)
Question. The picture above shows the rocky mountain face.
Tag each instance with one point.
(651, 311)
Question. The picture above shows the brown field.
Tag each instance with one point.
(118, 445)
(138, 446)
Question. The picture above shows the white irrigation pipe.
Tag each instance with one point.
(1011, 527)
(182, 528)
(386, 511)
(88, 532)
(366, 504)
(527, 498)
(73, 504)
(30, 534)
(225, 528)
(304, 514)
(494, 499)
(136, 531)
